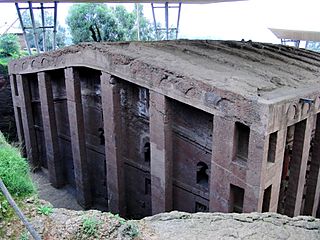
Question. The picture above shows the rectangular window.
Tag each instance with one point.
(266, 199)
(242, 134)
(15, 86)
(143, 103)
(272, 147)
(236, 199)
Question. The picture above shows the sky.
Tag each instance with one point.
(248, 20)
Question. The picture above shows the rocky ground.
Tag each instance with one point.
(62, 223)
(178, 225)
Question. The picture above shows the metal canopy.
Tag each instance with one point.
(122, 1)
(165, 4)
(297, 35)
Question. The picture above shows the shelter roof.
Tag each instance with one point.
(296, 34)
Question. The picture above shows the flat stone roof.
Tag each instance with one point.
(250, 69)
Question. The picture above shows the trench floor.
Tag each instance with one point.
(59, 198)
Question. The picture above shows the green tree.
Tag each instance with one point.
(9, 45)
(146, 29)
(314, 46)
(113, 29)
(87, 21)
(82, 16)
(126, 21)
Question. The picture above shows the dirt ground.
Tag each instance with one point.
(59, 198)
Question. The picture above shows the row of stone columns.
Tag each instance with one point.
(313, 183)
(298, 167)
(26, 131)
(24, 119)
(159, 128)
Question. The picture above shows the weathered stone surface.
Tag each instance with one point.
(225, 78)
(68, 224)
(185, 226)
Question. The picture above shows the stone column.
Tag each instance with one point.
(298, 165)
(27, 121)
(277, 169)
(54, 160)
(112, 131)
(161, 153)
(222, 154)
(256, 172)
(313, 182)
(78, 140)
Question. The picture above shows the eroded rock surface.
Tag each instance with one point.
(178, 225)
(70, 224)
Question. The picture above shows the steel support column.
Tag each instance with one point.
(167, 29)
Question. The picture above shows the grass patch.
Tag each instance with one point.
(45, 210)
(90, 226)
(15, 174)
(14, 170)
(24, 236)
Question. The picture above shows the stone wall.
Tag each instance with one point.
(7, 122)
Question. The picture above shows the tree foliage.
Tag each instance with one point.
(87, 21)
(9, 45)
(314, 46)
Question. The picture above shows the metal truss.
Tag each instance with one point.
(33, 26)
(167, 29)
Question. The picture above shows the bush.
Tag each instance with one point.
(9, 45)
(3, 68)
(14, 170)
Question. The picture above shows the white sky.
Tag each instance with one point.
(247, 20)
